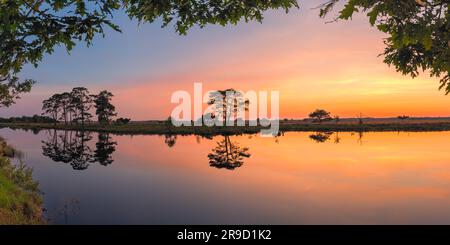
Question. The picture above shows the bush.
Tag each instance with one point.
(123, 121)
(28, 119)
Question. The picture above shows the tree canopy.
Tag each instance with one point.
(31, 28)
(418, 33)
(103, 107)
(320, 115)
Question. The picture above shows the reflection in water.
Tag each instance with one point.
(105, 147)
(337, 139)
(73, 148)
(321, 137)
(228, 155)
(170, 140)
(391, 179)
(68, 209)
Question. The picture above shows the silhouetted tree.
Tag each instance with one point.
(320, 115)
(104, 109)
(227, 103)
(65, 103)
(82, 103)
(51, 107)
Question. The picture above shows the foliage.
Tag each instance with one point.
(29, 29)
(418, 33)
(320, 115)
(51, 107)
(69, 107)
(104, 109)
(123, 121)
(404, 117)
(11, 88)
(227, 103)
(20, 198)
(82, 102)
(27, 119)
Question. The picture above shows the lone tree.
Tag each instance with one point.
(320, 115)
(104, 109)
(227, 103)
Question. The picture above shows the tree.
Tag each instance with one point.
(104, 109)
(418, 33)
(29, 29)
(52, 107)
(11, 88)
(82, 102)
(320, 115)
(65, 101)
(227, 103)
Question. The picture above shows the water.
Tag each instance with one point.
(298, 178)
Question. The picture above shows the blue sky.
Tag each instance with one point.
(314, 65)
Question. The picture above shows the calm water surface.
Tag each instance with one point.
(298, 178)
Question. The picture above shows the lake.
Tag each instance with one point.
(297, 178)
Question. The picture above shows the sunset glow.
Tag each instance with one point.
(334, 66)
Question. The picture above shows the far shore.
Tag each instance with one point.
(162, 127)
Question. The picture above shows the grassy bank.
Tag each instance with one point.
(20, 200)
(160, 127)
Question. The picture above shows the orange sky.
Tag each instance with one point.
(312, 64)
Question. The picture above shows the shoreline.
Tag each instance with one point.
(160, 128)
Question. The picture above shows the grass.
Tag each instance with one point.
(160, 127)
(20, 199)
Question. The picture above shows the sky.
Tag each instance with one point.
(313, 64)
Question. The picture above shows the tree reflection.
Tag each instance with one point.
(170, 140)
(74, 148)
(105, 147)
(228, 155)
(321, 137)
